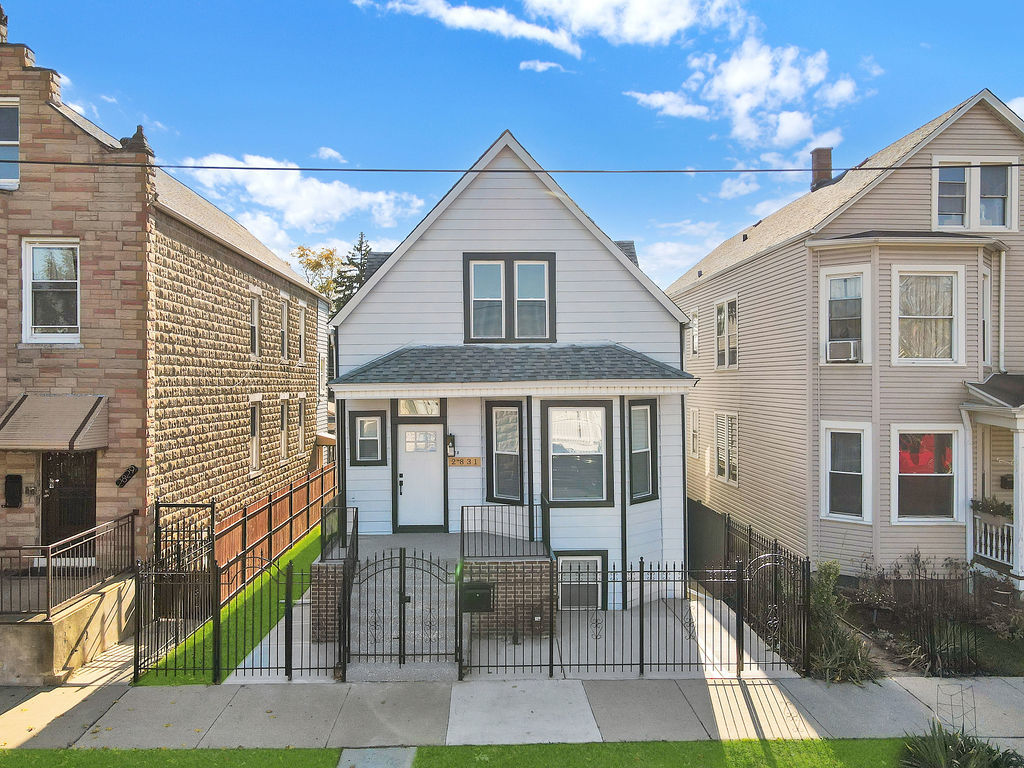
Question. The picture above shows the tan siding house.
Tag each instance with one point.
(875, 382)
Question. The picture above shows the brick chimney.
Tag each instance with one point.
(3, 25)
(821, 167)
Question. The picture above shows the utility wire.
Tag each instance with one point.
(613, 171)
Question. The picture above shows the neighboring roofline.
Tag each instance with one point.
(984, 241)
(506, 139)
(235, 249)
(983, 95)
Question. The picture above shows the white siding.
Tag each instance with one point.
(368, 488)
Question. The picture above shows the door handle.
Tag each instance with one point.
(400, 484)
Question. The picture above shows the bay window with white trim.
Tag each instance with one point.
(578, 453)
(846, 317)
(846, 487)
(926, 474)
(51, 291)
(928, 315)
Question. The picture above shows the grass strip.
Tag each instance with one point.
(244, 622)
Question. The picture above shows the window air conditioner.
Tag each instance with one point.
(844, 351)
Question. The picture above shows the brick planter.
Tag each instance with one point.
(325, 587)
(522, 595)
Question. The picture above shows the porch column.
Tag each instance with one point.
(1017, 571)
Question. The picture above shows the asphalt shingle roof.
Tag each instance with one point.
(1005, 387)
(474, 363)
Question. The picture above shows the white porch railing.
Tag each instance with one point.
(993, 540)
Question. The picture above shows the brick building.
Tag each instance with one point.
(141, 327)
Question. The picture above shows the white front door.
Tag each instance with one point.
(421, 456)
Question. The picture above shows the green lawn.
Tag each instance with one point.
(1000, 657)
(169, 758)
(843, 753)
(261, 611)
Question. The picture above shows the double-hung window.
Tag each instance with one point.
(254, 326)
(581, 581)
(929, 310)
(284, 429)
(367, 443)
(284, 329)
(694, 428)
(643, 450)
(509, 297)
(504, 452)
(254, 437)
(52, 291)
(845, 328)
(726, 458)
(846, 487)
(925, 476)
(302, 334)
(726, 335)
(578, 453)
(975, 193)
(10, 171)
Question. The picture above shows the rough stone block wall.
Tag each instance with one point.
(521, 594)
(105, 209)
(202, 374)
(325, 587)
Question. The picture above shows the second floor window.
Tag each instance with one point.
(10, 171)
(928, 315)
(975, 193)
(509, 297)
(51, 297)
(694, 333)
(845, 312)
(284, 329)
(726, 335)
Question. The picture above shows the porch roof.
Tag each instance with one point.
(40, 422)
(486, 365)
(1001, 389)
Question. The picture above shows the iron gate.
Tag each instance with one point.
(402, 608)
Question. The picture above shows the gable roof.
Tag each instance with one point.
(814, 210)
(507, 140)
(187, 205)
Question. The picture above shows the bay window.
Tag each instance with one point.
(51, 297)
(925, 484)
(578, 456)
(928, 315)
(643, 451)
(509, 297)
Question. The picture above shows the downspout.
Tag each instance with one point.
(1002, 310)
(968, 471)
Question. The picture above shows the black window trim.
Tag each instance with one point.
(353, 438)
(609, 478)
(509, 308)
(651, 403)
(599, 553)
(489, 407)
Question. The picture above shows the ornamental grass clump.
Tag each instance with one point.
(837, 653)
(942, 748)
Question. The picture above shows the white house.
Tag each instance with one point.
(507, 352)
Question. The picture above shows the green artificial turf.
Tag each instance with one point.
(245, 621)
(842, 753)
(169, 758)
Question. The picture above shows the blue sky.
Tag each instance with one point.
(581, 83)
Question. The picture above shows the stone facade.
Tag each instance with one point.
(164, 326)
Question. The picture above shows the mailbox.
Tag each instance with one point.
(1006, 482)
(476, 597)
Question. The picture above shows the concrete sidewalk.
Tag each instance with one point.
(357, 715)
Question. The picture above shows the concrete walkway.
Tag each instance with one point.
(375, 715)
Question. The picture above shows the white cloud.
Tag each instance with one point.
(669, 103)
(268, 231)
(497, 21)
(327, 153)
(871, 67)
(108, 99)
(665, 261)
(535, 65)
(737, 186)
(646, 22)
(692, 228)
(769, 206)
(302, 202)
(1017, 105)
(793, 126)
(840, 92)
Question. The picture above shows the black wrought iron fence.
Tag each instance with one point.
(505, 530)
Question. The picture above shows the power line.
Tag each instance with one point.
(611, 171)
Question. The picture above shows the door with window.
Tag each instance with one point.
(68, 494)
(421, 458)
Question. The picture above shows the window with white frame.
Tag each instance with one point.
(580, 582)
(10, 170)
(302, 334)
(726, 335)
(509, 297)
(928, 323)
(302, 424)
(505, 481)
(925, 483)
(254, 437)
(284, 430)
(975, 192)
(845, 317)
(643, 457)
(694, 333)
(367, 441)
(487, 308)
(846, 450)
(51, 291)
(254, 326)
(986, 316)
(694, 426)
(284, 329)
(577, 453)
(531, 299)
(726, 459)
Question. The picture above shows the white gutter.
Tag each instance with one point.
(1002, 309)
(579, 388)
